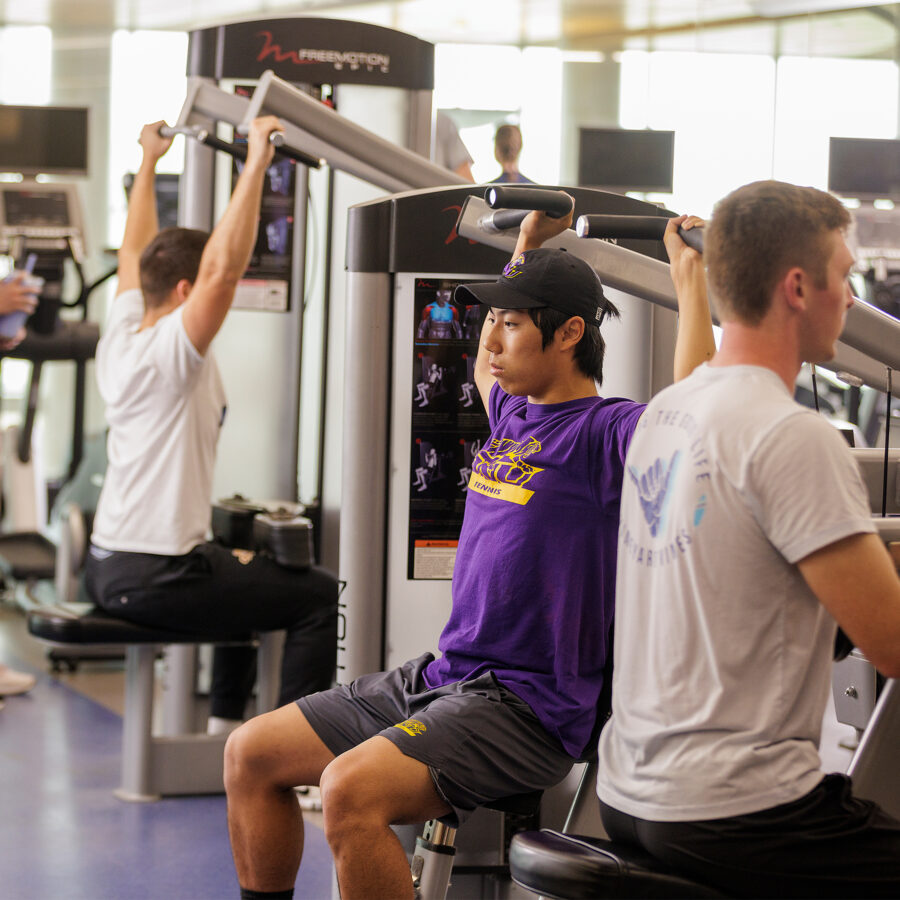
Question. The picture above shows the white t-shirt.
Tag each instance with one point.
(722, 652)
(164, 405)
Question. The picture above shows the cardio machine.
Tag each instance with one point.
(43, 220)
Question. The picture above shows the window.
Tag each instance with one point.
(135, 99)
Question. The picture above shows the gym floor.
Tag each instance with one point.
(64, 834)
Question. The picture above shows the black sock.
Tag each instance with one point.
(247, 894)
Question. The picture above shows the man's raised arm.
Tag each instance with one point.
(694, 343)
(141, 224)
(227, 253)
(536, 228)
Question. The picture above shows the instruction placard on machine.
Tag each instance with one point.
(447, 425)
(261, 293)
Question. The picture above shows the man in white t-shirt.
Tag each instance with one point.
(745, 532)
(150, 561)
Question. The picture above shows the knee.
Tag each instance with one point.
(346, 803)
(248, 756)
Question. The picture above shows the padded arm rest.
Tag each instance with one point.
(50, 623)
(585, 868)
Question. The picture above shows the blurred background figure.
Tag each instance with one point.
(449, 150)
(13, 682)
(507, 147)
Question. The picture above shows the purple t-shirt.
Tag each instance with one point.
(535, 575)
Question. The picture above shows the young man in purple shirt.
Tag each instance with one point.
(513, 699)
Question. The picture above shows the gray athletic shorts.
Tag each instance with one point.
(478, 739)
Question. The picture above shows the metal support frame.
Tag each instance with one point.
(181, 761)
(870, 340)
(873, 769)
(314, 128)
(432, 862)
(205, 103)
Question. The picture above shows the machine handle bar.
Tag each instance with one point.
(635, 227)
(555, 203)
(277, 139)
(512, 204)
(239, 151)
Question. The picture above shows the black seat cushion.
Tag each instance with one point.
(51, 623)
(569, 867)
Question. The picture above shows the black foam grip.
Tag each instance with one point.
(693, 237)
(555, 203)
(507, 218)
(299, 156)
(649, 228)
(238, 151)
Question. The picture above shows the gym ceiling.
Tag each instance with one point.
(835, 28)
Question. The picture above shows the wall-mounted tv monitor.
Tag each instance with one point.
(49, 140)
(864, 168)
(619, 159)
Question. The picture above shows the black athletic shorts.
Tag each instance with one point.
(478, 739)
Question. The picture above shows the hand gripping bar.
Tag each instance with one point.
(636, 227)
(239, 151)
(512, 204)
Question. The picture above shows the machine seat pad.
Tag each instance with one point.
(27, 554)
(570, 867)
(60, 626)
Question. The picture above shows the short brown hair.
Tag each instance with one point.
(507, 144)
(760, 231)
(172, 255)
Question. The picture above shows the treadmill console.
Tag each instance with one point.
(42, 216)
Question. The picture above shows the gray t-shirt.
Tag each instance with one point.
(722, 652)
(449, 150)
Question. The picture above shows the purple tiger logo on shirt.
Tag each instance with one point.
(504, 460)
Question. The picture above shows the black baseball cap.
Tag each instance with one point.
(543, 277)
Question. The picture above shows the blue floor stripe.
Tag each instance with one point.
(64, 834)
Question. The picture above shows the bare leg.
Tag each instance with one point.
(364, 792)
(264, 760)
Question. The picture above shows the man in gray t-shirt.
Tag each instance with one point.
(745, 533)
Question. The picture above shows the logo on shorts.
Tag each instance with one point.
(412, 727)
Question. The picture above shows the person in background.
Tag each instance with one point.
(13, 682)
(16, 295)
(507, 149)
(449, 150)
